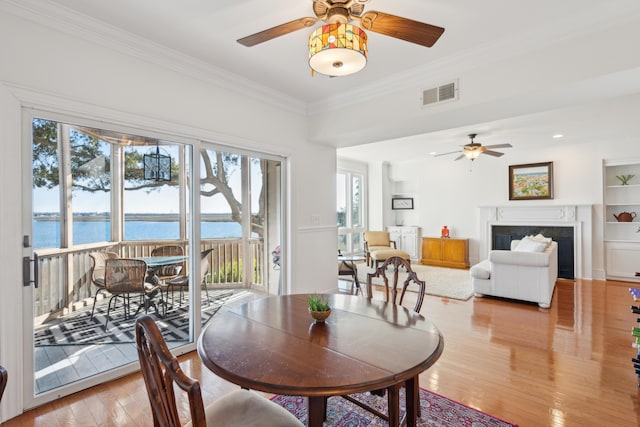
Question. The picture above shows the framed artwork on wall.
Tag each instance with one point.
(531, 181)
(398, 203)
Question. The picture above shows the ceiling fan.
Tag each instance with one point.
(341, 13)
(345, 11)
(473, 149)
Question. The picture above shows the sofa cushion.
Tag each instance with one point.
(529, 244)
(383, 254)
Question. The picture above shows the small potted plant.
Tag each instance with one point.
(318, 307)
(624, 179)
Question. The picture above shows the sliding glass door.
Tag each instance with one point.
(100, 191)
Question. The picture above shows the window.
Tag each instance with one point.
(350, 190)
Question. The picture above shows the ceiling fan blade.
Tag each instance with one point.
(461, 156)
(401, 28)
(493, 153)
(277, 31)
(446, 154)
(499, 146)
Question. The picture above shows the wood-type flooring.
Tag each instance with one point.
(569, 365)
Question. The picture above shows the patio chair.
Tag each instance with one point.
(348, 267)
(396, 265)
(182, 282)
(97, 272)
(168, 272)
(3, 380)
(124, 277)
(160, 370)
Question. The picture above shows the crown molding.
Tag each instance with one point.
(58, 103)
(50, 15)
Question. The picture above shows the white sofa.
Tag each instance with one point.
(525, 276)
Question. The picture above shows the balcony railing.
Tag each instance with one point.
(64, 275)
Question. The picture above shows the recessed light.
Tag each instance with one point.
(433, 153)
(557, 135)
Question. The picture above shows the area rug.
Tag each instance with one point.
(80, 328)
(443, 282)
(436, 411)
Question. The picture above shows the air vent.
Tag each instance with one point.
(443, 93)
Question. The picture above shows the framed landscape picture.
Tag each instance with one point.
(531, 181)
(399, 203)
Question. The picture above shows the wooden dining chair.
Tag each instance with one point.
(98, 260)
(391, 270)
(396, 267)
(125, 277)
(182, 282)
(3, 380)
(160, 370)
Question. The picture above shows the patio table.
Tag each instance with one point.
(154, 263)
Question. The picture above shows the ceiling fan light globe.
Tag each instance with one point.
(473, 152)
(338, 49)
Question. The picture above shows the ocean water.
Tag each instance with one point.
(46, 234)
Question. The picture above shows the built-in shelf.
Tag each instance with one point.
(624, 186)
(623, 223)
(622, 240)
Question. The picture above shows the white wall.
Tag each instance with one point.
(48, 69)
(449, 193)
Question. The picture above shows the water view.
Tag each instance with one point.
(89, 229)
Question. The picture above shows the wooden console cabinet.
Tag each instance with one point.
(452, 253)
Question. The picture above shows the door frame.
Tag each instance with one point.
(29, 398)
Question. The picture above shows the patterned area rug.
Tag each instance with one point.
(79, 328)
(435, 410)
(443, 282)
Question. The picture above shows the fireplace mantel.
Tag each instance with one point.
(577, 216)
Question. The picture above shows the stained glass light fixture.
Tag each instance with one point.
(157, 166)
(338, 49)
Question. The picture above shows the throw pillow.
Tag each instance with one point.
(527, 244)
(540, 238)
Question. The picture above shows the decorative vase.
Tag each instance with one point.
(445, 232)
(320, 316)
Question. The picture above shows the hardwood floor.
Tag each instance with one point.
(569, 365)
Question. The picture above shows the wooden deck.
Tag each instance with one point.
(60, 364)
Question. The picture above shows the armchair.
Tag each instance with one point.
(517, 274)
(378, 241)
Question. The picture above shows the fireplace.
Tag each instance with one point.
(502, 235)
(570, 226)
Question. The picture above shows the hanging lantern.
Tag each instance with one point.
(157, 166)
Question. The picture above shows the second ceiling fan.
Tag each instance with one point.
(473, 149)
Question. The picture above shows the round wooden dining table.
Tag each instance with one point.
(273, 345)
